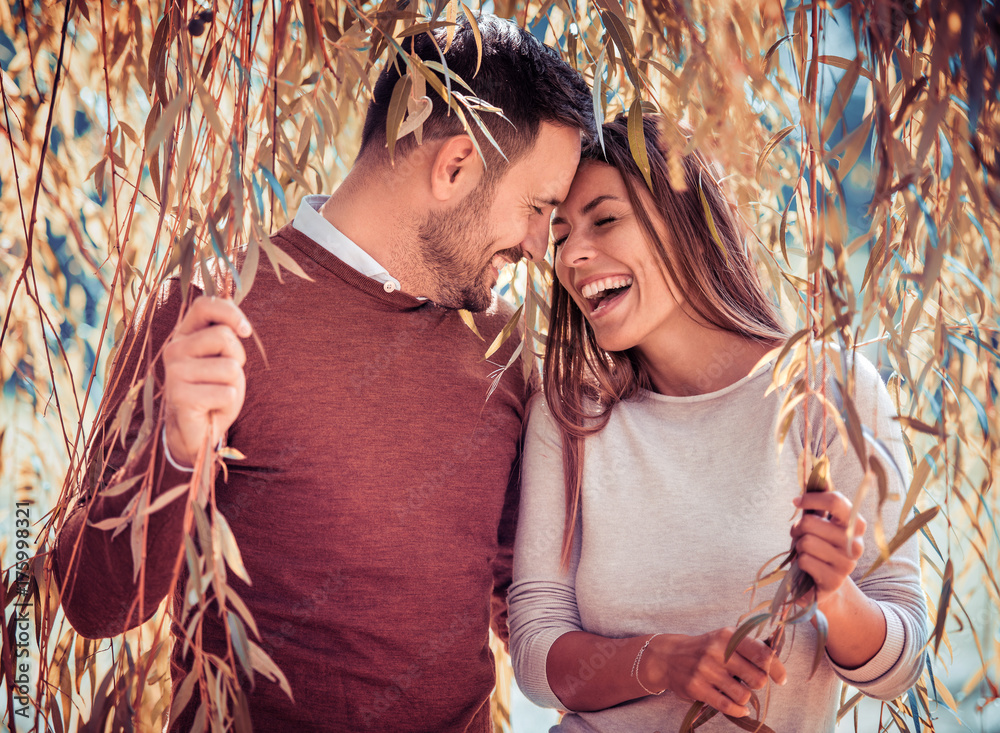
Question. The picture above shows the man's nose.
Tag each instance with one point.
(536, 240)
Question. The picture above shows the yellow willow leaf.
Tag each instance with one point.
(943, 602)
(165, 123)
(266, 666)
(769, 147)
(233, 599)
(842, 95)
(505, 333)
(710, 220)
(183, 695)
(166, 498)
(474, 26)
(279, 258)
(637, 140)
(451, 15)
(249, 270)
(908, 530)
(469, 321)
(110, 523)
(618, 30)
(230, 550)
(208, 108)
(397, 108)
(743, 631)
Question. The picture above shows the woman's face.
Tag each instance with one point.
(605, 261)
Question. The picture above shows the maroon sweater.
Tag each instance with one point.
(375, 509)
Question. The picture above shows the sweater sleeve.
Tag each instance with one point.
(543, 596)
(895, 584)
(93, 566)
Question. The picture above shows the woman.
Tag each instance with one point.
(654, 488)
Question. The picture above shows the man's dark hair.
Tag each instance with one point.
(520, 75)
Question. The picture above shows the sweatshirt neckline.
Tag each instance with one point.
(709, 396)
(396, 299)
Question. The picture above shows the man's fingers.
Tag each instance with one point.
(207, 397)
(206, 311)
(211, 341)
(213, 370)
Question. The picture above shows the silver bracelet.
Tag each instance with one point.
(635, 668)
(170, 458)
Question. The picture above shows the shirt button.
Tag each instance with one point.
(389, 287)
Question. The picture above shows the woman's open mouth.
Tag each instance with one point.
(602, 294)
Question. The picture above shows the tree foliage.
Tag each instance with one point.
(147, 139)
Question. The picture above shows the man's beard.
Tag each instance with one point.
(454, 247)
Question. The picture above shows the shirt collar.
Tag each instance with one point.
(317, 227)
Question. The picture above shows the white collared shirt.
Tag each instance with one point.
(318, 228)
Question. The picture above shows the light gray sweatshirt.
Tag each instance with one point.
(683, 500)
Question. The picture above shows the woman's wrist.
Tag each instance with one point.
(650, 668)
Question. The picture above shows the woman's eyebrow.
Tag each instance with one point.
(589, 207)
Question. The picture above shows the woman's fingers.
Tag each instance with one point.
(720, 696)
(754, 661)
(834, 554)
(831, 503)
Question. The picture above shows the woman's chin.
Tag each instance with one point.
(610, 340)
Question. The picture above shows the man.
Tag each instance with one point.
(373, 509)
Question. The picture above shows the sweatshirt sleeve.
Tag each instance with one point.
(503, 562)
(93, 566)
(895, 584)
(543, 596)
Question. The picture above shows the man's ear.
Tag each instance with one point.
(456, 169)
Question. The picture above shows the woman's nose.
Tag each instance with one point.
(575, 251)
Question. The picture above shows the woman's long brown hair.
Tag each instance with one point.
(582, 381)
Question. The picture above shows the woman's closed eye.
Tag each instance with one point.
(601, 222)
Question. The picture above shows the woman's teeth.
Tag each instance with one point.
(598, 287)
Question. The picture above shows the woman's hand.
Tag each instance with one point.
(825, 550)
(694, 668)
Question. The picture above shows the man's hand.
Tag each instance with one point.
(205, 384)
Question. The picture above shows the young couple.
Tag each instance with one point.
(376, 506)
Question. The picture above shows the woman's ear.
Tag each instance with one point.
(456, 169)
